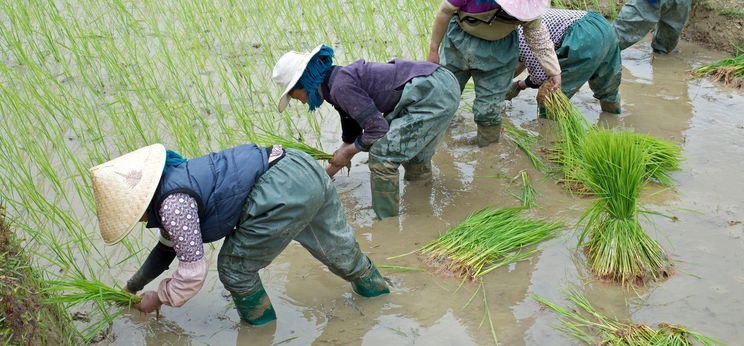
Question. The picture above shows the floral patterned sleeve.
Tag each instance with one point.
(180, 220)
(538, 40)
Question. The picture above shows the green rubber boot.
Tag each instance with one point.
(417, 171)
(255, 308)
(372, 285)
(385, 188)
(488, 134)
(610, 107)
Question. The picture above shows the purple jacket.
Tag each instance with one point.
(362, 92)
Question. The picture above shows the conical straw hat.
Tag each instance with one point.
(123, 188)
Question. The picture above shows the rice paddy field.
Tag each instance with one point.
(84, 81)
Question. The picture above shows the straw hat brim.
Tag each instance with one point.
(300, 69)
(123, 189)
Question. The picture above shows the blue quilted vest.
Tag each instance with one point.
(220, 183)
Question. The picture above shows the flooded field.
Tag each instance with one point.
(193, 76)
(706, 244)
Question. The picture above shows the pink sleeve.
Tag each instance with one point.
(186, 281)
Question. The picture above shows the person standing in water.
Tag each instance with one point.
(587, 51)
(258, 199)
(396, 111)
(637, 17)
(478, 39)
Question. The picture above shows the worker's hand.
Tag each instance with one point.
(341, 158)
(150, 302)
(556, 82)
(433, 56)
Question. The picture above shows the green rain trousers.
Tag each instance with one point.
(589, 52)
(293, 200)
(490, 63)
(417, 126)
(638, 17)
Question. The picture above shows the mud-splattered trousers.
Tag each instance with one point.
(294, 200)
(417, 125)
(638, 17)
(490, 63)
(589, 52)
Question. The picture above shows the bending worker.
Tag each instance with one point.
(638, 17)
(478, 38)
(397, 111)
(258, 199)
(587, 51)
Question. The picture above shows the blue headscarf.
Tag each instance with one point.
(172, 158)
(485, 2)
(314, 74)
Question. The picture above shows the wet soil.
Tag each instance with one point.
(24, 318)
(706, 243)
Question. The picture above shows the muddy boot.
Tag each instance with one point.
(610, 107)
(372, 285)
(385, 188)
(488, 134)
(255, 307)
(417, 171)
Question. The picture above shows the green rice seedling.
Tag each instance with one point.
(395, 268)
(527, 197)
(663, 157)
(613, 167)
(572, 127)
(271, 139)
(525, 141)
(78, 290)
(486, 240)
(730, 72)
(590, 326)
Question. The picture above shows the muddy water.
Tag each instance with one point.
(707, 246)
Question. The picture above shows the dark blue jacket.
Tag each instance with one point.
(220, 183)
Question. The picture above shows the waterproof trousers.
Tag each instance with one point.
(491, 64)
(417, 126)
(638, 17)
(294, 200)
(589, 53)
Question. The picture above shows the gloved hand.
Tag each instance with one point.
(150, 302)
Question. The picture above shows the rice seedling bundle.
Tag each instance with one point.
(271, 139)
(572, 127)
(593, 328)
(486, 240)
(528, 193)
(614, 168)
(730, 72)
(77, 291)
(663, 157)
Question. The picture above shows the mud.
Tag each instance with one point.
(706, 243)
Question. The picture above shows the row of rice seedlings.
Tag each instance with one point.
(486, 240)
(525, 141)
(613, 167)
(590, 326)
(730, 71)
